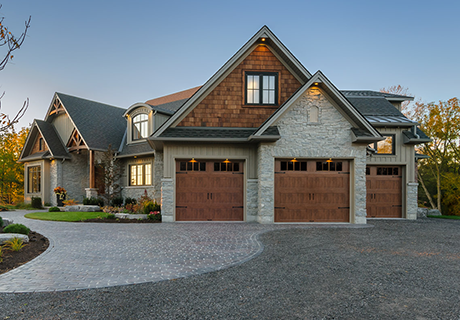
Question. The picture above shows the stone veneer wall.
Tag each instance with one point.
(252, 194)
(55, 179)
(330, 137)
(411, 200)
(74, 176)
(167, 200)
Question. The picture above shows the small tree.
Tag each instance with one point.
(110, 170)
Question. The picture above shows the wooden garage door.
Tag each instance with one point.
(312, 191)
(384, 192)
(209, 191)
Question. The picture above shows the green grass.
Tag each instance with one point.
(65, 216)
(445, 217)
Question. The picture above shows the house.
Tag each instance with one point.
(262, 140)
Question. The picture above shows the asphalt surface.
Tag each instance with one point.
(396, 270)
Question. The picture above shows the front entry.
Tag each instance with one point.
(312, 191)
(209, 190)
(384, 192)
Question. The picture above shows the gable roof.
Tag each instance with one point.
(99, 124)
(263, 36)
(181, 95)
(357, 120)
(370, 93)
(55, 146)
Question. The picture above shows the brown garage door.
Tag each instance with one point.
(384, 192)
(312, 191)
(209, 191)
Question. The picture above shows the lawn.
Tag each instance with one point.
(65, 216)
(445, 217)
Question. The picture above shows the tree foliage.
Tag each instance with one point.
(402, 91)
(109, 172)
(12, 172)
(440, 174)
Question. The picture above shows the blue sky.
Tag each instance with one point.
(121, 52)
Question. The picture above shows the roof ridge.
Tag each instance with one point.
(101, 103)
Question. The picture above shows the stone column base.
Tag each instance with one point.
(91, 192)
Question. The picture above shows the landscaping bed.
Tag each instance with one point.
(37, 245)
(107, 220)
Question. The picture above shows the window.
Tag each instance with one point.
(227, 166)
(328, 166)
(293, 165)
(140, 174)
(386, 146)
(262, 88)
(192, 166)
(40, 144)
(386, 171)
(33, 179)
(140, 126)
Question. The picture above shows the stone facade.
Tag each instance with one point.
(411, 201)
(167, 200)
(55, 179)
(327, 136)
(153, 190)
(251, 200)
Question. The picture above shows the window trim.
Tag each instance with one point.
(133, 134)
(261, 74)
(393, 145)
(143, 165)
(30, 189)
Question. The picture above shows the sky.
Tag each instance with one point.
(124, 52)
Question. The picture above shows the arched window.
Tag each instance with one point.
(140, 126)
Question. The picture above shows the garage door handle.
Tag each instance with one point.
(237, 207)
(237, 172)
(181, 207)
(280, 207)
(397, 206)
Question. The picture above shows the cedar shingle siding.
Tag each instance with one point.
(224, 107)
(36, 147)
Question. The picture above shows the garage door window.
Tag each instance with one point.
(293, 165)
(226, 166)
(328, 166)
(192, 166)
(385, 171)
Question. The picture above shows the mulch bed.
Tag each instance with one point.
(36, 246)
(107, 220)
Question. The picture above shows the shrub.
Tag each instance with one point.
(1, 222)
(1, 254)
(16, 228)
(70, 202)
(110, 209)
(22, 205)
(36, 202)
(93, 201)
(47, 204)
(130, 201)
(151, 206)
(134, 208)
(54, 209)
(3, 208)
(14, 244)
(117, 202)
(111, 216)
(154, 215)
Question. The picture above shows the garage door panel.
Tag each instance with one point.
(384, 192)
(310, 195)
(209, 195)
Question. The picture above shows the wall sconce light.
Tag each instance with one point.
(227, 161)
(329, 160)
(294, 160)
(193, 160)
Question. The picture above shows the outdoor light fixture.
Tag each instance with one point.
(263, 39)
(294, 160)
(329, 160)
(227, 161)
(193, 160)
(316, 83)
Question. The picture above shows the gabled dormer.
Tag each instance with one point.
(140, 122)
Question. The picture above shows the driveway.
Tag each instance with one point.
(394, 270)
(96, 255)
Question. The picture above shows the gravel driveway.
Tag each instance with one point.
(396, 270)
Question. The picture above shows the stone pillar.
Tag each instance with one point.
(91, 192)
(411, 200)
(55, 179)
(360, 193)
(158, 169)
(167, 200)
(92, 171)
(266, 186)
(252, 195)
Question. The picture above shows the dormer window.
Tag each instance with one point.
(261, 88)
(140, 126)
(40, 144)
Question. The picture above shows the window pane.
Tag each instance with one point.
(303, 166)
(202, 166)
(183, 166)
(139, 176)
(223, 167)
(297, 166)
(271, 97)
(236, 166)
(216, 166)
(256, 96)
(339, 166)
(395, 171)
(148, 174)
(332, 166)
(325, 166)
(229, 166)
(368, 171)
(272, 82)
(195, 166)
(265, 97)
(189, 166)
(256, 82)
(283, 165)
(290, 166)
(266, 82)
(319, 166)
(133, 176)
(250, 82)
(385, 146)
